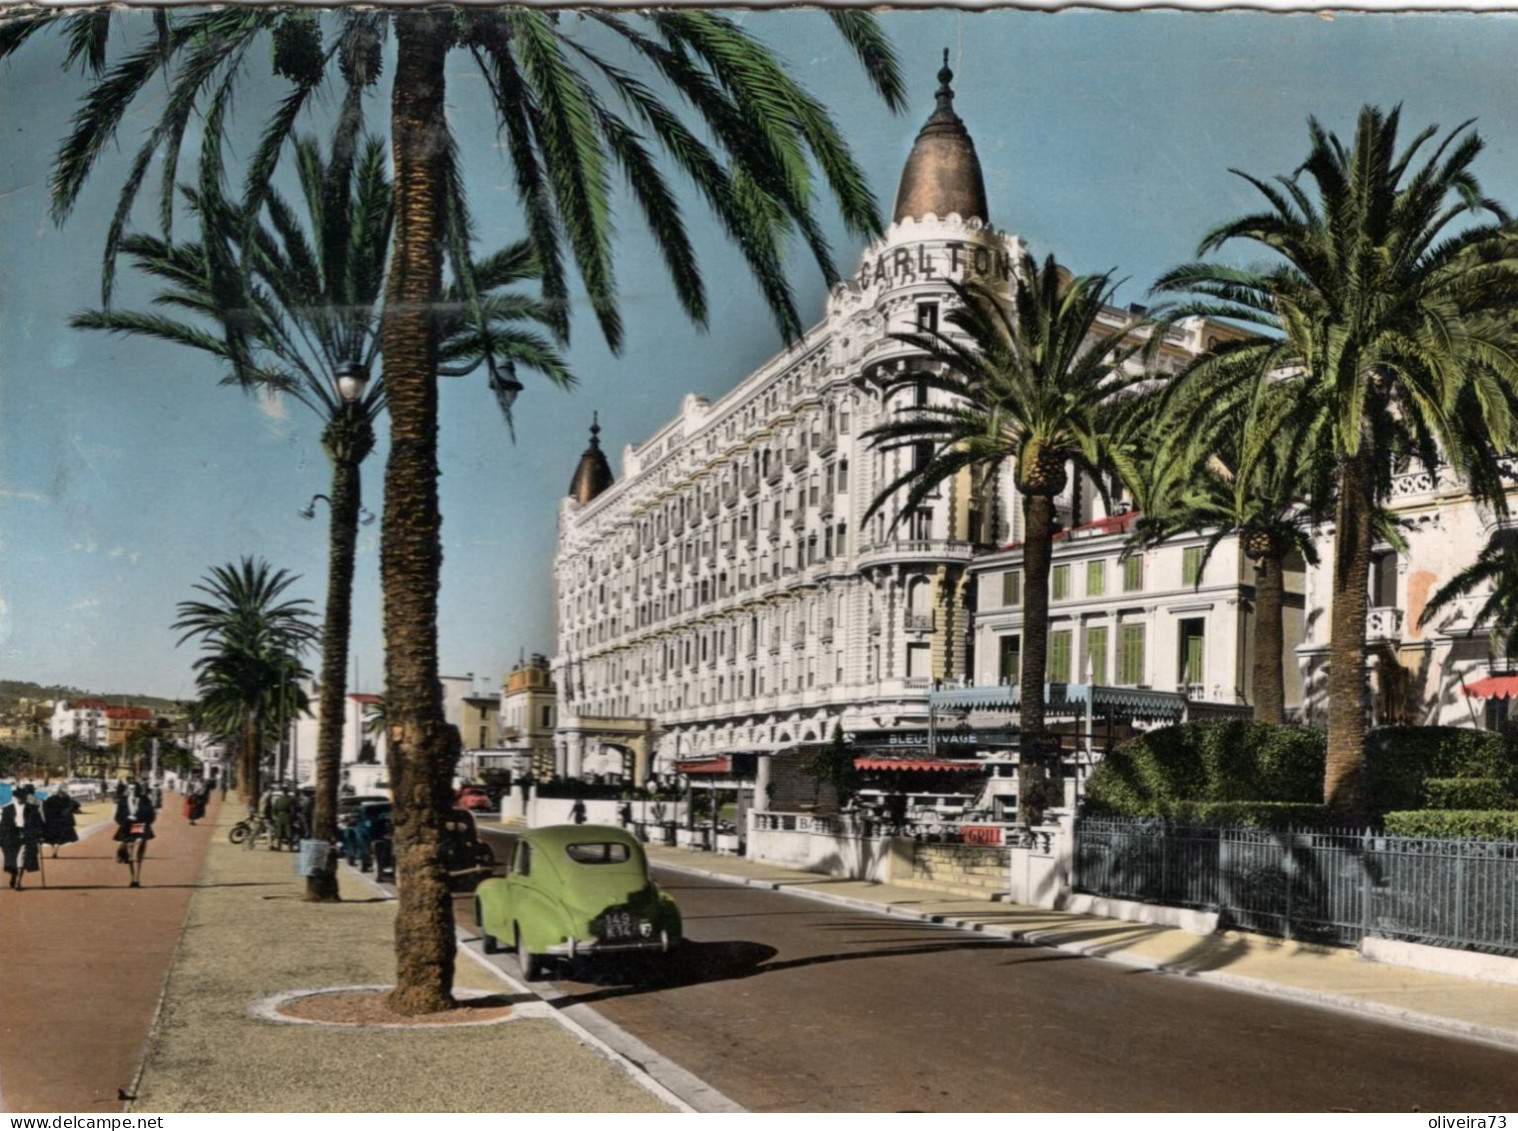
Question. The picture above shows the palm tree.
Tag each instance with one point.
(562, 136)
(297, 312)
(1037, 384)
(252, 638)
(1393, 325)
(1194, 483)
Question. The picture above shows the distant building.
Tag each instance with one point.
(84, 719)
(528, 715)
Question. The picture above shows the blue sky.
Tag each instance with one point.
(126, 472)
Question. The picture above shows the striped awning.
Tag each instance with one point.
(1493, 687)
(931, 765)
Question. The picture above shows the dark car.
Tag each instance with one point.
(364, 837)
(575, 892)
(367, 843)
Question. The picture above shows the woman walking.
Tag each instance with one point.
(58, 810)
(21, 835)
(134, 828)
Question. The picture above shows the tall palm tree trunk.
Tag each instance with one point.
(344, 439)
(1344, 777)
(1033, 742)
(252, 757)
(411, 553)
(1269, 640)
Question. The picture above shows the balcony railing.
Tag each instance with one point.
(1383, 624)
(917, 550)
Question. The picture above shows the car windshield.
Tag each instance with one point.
(604, 852)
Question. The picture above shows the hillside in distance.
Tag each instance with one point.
(14, 690)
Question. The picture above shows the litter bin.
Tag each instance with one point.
(315, 858)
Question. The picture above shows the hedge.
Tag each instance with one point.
(1454, 824)
(1467, 793)
(1233, 761)
(1400, 760)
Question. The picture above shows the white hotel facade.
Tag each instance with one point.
(723, 594)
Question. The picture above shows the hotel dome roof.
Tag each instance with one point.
(942, 173)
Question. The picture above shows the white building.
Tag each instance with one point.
(723, 594)
(84, 719)
(1418, 674)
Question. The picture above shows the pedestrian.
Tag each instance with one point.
(577, 812)
(282, 817)
(625, 814)
(21, 834)
(58, 810)
(134, 828)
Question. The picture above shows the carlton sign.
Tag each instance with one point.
(954, 259)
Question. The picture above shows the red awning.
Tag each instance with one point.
(1493, 687)
(723, 765)
(915, 764)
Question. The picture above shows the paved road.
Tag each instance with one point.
(83, 961)
(787, 1004)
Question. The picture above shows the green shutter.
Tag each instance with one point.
(1130, 656)
(1096, 578)
(1096, 654)
(1191, 565)
(1012, 588)
(1133, 574)
(1058, 668)
(1061, 583)
(1194, 649)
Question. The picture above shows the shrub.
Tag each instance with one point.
(1400, 759)
(1232, 761)
(1453, 824)
(1467, 793)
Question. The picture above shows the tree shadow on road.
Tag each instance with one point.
(700, 963)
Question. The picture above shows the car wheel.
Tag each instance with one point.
(238, 833)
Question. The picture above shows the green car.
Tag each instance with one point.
(575, 891)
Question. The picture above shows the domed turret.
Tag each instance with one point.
(942, 174)
(593, 475)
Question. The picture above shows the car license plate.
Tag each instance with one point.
(618, 925)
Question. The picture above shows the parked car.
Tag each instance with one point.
(363, 834)
(366, 840)
(575, 892)
(473, 797)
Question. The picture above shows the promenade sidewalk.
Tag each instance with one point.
(1328, 976)
(248, 935)
(83, 959)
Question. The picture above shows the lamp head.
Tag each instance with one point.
(351, 377)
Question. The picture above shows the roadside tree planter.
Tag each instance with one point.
(729, 843)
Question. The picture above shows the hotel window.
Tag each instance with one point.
(1096, 654)
(1191, 565)
(843, 476)
(1012, 588)
(843, 419)
(1009, 659)
(1060, 582)
(1096, 578)
(922, 524)
(1133, 574)
(927, 317)
(841, 542)
(1130, 655)
(1058, 667)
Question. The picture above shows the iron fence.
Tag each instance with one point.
(1327, 886)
